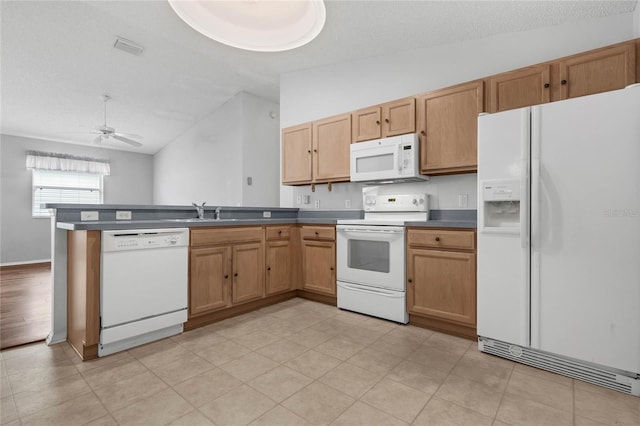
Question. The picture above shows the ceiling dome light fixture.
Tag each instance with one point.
(258, 25)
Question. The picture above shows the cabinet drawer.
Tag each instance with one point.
(460, 240)
(277, 232)
(207, 236)
(319, 233)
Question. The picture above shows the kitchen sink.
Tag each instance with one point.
(196, 219)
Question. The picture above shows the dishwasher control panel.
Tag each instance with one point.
(140, 239)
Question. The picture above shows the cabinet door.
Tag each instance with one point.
(319, 265)
(520, 88)
(366, 124)
(600, 71)
(331, 141)
(399, 117)
(448, 128)
(278, 275)
(442, 284)
(248, 272)
(296, 154)
(209, 280)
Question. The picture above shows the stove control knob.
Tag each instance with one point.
(415, 202)
(421, 200)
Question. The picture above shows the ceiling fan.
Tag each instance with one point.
(105, 132)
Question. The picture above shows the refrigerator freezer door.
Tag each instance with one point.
(503, 253)
(586, 229)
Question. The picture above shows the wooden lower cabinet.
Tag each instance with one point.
(441, 280)
(319, 259)
(226, 268)
(209, 282)
(278, 264)
(248, 272)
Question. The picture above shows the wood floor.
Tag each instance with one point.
(25, 304)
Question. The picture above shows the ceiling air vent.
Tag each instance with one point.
(128, 46)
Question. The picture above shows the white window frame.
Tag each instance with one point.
(39, 215)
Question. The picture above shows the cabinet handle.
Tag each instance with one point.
(378, 122)
(410, 280)
(546, 85)
(309, 151)
(226, 277)
(235, 275)
(331, 268)
(386, 120)
(563, 82)
(280, 232)
(423, 133)
(315, 150)
(437, 238)
(268, 268)
(316, 232)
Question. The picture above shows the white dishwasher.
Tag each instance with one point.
(143, 286)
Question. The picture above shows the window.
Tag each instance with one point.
(55, 186)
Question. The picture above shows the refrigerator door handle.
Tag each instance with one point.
(535, 209)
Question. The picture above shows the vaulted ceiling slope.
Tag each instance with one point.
(57, 58)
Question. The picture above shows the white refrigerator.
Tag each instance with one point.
(559, 237)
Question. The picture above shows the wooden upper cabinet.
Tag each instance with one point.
(598, 71)
(399, 117)
(296, 154)
(520, 88)
(331, 140)
(381, 121)
(366, 124)
(447, 124)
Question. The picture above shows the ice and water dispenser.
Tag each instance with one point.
(501, 205)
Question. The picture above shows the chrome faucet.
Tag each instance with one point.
(216, 214)
(200, 209)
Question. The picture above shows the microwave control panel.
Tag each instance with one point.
(406, 157)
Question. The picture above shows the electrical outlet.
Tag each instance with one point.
(463, 201)
(299, 199)
(306, 199)
(123, 215)
(89, 215)
(266, 214)
(317, 204)
(347, 204)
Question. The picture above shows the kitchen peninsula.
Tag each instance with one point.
(280, 253)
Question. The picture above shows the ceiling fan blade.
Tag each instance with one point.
(126, 140)
(130, 135)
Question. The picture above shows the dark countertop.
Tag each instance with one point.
(115, 225)
(158, 217)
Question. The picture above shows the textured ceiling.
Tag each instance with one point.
(57, 58)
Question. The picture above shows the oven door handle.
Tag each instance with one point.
(373, 291)
(372, 231)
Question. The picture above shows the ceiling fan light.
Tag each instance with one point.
(258, 25)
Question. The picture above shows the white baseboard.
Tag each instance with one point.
(28, 262)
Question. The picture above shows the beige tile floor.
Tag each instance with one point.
(298, 363)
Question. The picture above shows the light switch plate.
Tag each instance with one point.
(299, 199)
(266, 214)
(317, 204)
(347, 204)
(89, 215)
(123, 215)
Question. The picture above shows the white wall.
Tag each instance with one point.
(25, 239)
(260, 152)
(321, 92)
(207, 162)
(636, 20)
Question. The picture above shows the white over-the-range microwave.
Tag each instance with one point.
(388, 160)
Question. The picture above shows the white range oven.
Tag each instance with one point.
(371, 255)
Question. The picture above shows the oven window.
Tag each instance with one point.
(374, 163)
(369, 255)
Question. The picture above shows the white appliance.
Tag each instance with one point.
(393, 159)
(143, 286)
(559, 237)
(371, 255)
